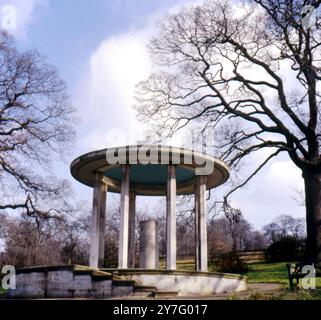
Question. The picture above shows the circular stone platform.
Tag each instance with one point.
(74, 281)
(150, 179)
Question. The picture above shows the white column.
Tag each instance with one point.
(124, 219)
(98, 220)
(171, 219)
(101, 257)
(131, 231)
(197, 242)
(200, 224)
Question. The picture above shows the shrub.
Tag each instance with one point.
(230, 263)
(287, 248)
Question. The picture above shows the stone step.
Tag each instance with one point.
(144, 291)
(144, 288)
(143, 294)
(123, 282)
(101, 277)
(117, 277)
(164, 293)
(96, 275)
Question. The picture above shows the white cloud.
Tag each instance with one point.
(115, 68)
(17, 15)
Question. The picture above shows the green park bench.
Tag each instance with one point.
(295, 272)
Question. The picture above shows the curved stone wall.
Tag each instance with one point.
(187, 283)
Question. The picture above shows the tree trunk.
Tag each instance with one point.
(312, 181)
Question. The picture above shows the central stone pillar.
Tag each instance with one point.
(171, 219)
(148, 245)
(124, 219)
(97, 243)
(200, 224)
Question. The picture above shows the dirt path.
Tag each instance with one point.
(263, 287)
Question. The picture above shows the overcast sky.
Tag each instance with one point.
(99, 48)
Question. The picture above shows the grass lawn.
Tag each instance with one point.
(2, 290)
(258, 272)
(267, 272)
(270, 272)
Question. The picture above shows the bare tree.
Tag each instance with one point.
(233, 217)
(219, 237)
(35, 127)
(258, 241)
(75, 240)
(51, 242)
(27, 244)
(250, 72)
(272, 231)
(285, 225)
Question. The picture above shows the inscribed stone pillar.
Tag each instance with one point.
(149, 245)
